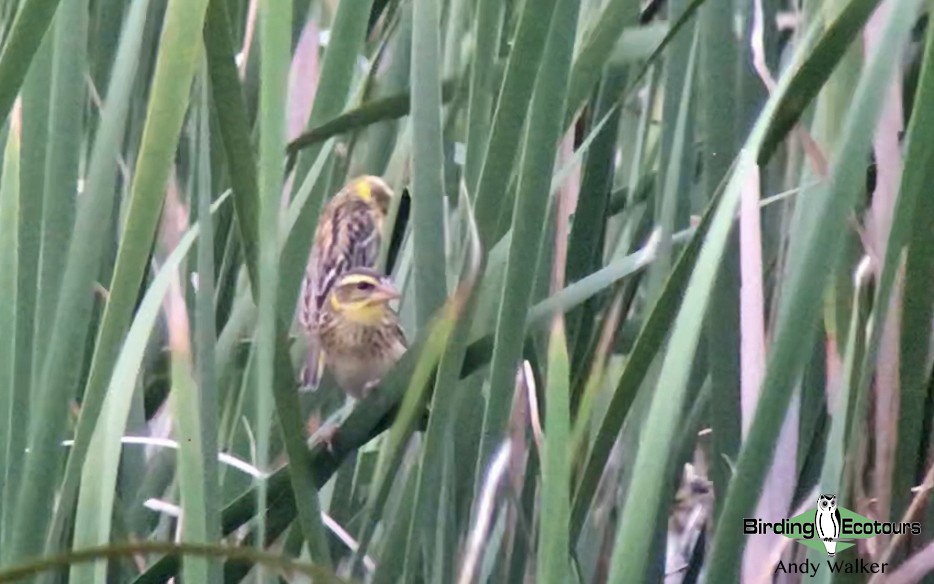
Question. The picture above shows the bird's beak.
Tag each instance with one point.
(386, 291)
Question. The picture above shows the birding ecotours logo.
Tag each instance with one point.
(829, 527)
(827, 522)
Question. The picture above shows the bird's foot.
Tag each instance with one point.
(328, 430)
(324, 435)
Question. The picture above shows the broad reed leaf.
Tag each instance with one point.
(204, 337)
(67, 102)
(9, 271)
(489, 23)
(274, 20)
(35, 108)
(555, 506)
(428, 198)
(230, 109)
(912, 226)
(32, 21)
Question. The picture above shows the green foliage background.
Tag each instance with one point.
(665, 266)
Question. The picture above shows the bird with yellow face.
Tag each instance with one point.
(348, 236)
(360, 335)
(360, 338)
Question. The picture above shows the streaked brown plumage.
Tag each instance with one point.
(359, 334)
(348, 236)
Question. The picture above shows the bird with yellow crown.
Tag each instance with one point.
(344, 310)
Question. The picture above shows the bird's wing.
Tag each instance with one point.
(308, 315)
(331, 270)
(314, 365)
(307, 306)
(365, 234)
(354, 243)
(314, 290)
(400, 332)
(313, 368)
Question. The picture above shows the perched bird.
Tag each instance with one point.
(359, 333)
(348, 236)
(360, 338)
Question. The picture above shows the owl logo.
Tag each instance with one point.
(827, 522)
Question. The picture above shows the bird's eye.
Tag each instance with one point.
(364, 286)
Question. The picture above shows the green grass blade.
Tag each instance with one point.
(35, 107)
(411, 408)
(230, 108)
(683, 18)
(554, 508)
(671, 206)
(186, 409)
(274, 376)
(64, 145)
(346, 42)
(637, 43)
(274, 20)
(538, 155)
(428, 198)
(577, 293)
(205, 334)
(106, 18)
(437, 348)
(9, 270)
(510, 115)
(32, 21)
(489, 22)
(305, 478)
(390, 568)
(717, 105)
(586, 245)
